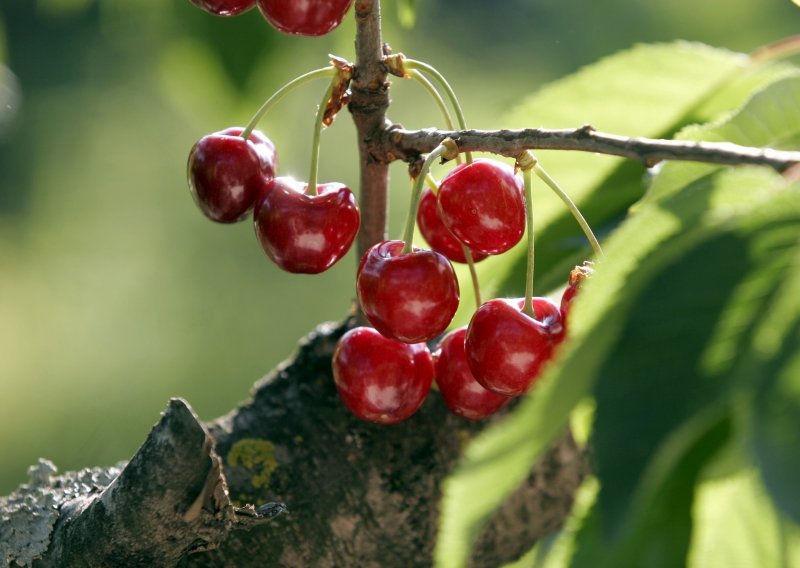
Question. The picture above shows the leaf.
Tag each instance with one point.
(659, 531)
(619, 94)
(771, 118)
(407, 13)
(499, 459)
(737, 525)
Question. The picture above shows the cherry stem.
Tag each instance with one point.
(312, 176)
(587, 230)
(416, 193)
(473, 274)
(433, 91)
(780, 49)
(283, 91)
(528, 306)
(451, 94)
(432, 183)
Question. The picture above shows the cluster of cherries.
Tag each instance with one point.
(410, 297)
(294, 17)
(302, 228)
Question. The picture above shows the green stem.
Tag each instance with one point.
(416, 193)
(451, 94)
(473, 274)
(432, 183)
(312, 176)
(448, 119)
(587, 230)
(280, 93)
(528, 306)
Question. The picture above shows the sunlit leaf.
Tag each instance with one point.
(619, 94)
(737, 525)
(771, 118)
(636, 254)
(407, 12)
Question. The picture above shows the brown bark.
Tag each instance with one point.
(353, 493)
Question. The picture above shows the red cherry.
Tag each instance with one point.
(462, 394)
(226, 172)
(304, 17)
(306, 233)
(506, 348)
(411, 297)
(483, 205)
(225, 7)
(436, 234)
(379, 379)
(576, 278)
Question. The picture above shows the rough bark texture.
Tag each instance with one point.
(360, 494)
(397, 143)
(357, 494)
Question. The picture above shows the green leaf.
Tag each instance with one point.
(501, 457)
(657, 236)
(737, 525)
(771, 118)
(658, 532)
(620, 94)
(407, 13)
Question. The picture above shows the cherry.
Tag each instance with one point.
(483, 205)
(305, 233)
(462, 394)
(226, 172)
(304, 17)
(380, 379)
(411, 297)
(576, 278)
(506, 348)
(436, 234)
(224, 7)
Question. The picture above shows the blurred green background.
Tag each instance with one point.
(115, 292)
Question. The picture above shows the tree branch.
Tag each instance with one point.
(398, 143)
(368, 104)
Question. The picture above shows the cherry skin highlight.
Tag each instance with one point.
(436, 234)
(410, 297)
(483, 205)
(304, 17)
(506, 348)
(224, 7)
(462, 394)
(226, 172)
(380, 379)
(305, 233)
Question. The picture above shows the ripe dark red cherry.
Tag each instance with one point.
(576, 278)
(483, 205)
(226, 172)
(411, 297)
(224, 7)
(506, 348)
(304, 17)
(462, 394)
(305, 233)
(436, 234)
(380, 379)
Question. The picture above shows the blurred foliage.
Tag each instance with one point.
(116, 294)
(687, 339)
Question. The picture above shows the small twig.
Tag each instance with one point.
(408, 144)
